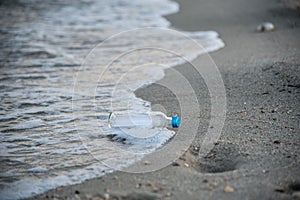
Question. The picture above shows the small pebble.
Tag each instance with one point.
(228, 189)
(181, 158)
(185, 164)
(146, 162)
(106, 196)
(296, 195)
(156, 189)
(151, 183)
(163, 183)
(277, 142)
(168, 194)
(210, 155)
(265, 27)
(214, 184)
(138, 185)
(253, 140)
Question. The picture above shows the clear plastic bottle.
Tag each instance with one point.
(144, 120)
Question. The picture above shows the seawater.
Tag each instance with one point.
(56, 92)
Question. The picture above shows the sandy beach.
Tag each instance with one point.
(258, 153)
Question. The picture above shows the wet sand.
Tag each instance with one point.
(257, 155)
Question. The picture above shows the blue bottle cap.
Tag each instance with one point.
(175, 121)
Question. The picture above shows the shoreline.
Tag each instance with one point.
(252, 156)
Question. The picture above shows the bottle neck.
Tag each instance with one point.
(169, 122)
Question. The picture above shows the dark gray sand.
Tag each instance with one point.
(258, 153)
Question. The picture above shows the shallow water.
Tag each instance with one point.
(54, 100)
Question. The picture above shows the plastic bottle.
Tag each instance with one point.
(144, 120)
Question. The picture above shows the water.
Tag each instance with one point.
(46, 141)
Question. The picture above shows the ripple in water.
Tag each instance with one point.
(42, 47)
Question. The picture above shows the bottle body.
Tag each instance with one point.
(142, 120)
